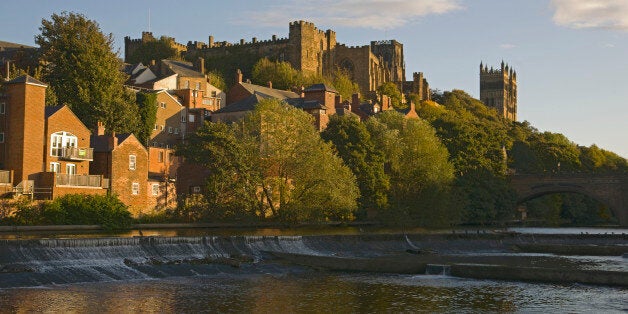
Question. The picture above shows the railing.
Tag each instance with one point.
(24, 187)
(81, 180)
(5, 176)
(77, 153)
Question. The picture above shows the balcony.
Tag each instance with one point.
(77, 153)
(79, 180)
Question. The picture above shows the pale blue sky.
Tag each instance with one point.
(570, 55)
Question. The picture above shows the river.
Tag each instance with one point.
(89, 276)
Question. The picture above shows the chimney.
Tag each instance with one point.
(7, 69)
(355, 100)
(113, 141)
(100, 128)
(238, 76)
(201, 65)
(270, 84)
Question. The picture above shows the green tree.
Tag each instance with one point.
(153, 50)
(355, 146)
(275, 165)
(147, 109)
(418, 166)
(391, 90)
(281, 74)
(344, 85)
(84, 72)
(216, 78)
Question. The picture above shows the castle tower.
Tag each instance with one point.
(22, 122)
(310, 49)
(498, 90)
(391, 52)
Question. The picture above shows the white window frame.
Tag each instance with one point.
(162, 105)
(55, 167)
(132, 162)
(59, 140)
(176, 130)
(135, 188)
(155, 189)
(170, 129)
(196, 189)
(70, 169)
(191, 118)
(183, 118)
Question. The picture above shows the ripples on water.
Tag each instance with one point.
(317, 292)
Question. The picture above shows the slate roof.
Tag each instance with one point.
(26, 79)
(321, 87)
(100, 143)
(269, 92)
(246, 104)
(182, 68)
(305, 104)
(9, 45)
(50, 110)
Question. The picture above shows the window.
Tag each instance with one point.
(132, 161)
(60, 140)
(135, 188)
(191, 118)
(196, 189)
(160, 156)
(170, 129)
(155, 189)
(186, 85)
(183, 118)
(198, 85)
(161, 127)
(70, 168)
(213, 93)
(3, 106)
(1, 137)
(55, 167)
(155, 144)
(176, 130)
(155, 127)
(162, 105)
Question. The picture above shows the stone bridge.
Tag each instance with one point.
(611, 190)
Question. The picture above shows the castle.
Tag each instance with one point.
(311, 51)
(498, 90)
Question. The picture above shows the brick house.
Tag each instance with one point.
(124, 160)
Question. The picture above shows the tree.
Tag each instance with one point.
(272, 164)
(216, 79)
(418, 166)
(391, 90)
(281, 74)
(147, 110)
(84, 73)
(357, 149)
(153, 50)
(344, 85)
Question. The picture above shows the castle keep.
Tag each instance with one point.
(498, 89)
(309, 50)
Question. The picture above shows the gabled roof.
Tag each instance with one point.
(321, 87)
(269, 92)
(9, 45)
(50, 110)
(182, 68)
(26, 79)
(100, 143)
(246, 104)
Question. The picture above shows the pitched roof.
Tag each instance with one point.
(9, 45)
(50, 110)
(26, 79)
(305, 104)
(182, 68)
(269, 92)
(246, 104)
(321, 87)
(100, 143)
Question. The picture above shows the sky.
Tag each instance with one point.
(570, 55)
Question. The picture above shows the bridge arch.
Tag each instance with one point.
(610, 190)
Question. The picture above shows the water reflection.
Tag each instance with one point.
(313, 292)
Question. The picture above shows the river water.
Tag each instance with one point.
(277, 288)
(314, 292)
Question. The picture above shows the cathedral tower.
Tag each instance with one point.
(498, 89)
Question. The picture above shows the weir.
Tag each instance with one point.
(60, 261)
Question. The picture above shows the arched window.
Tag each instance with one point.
(59, 140)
